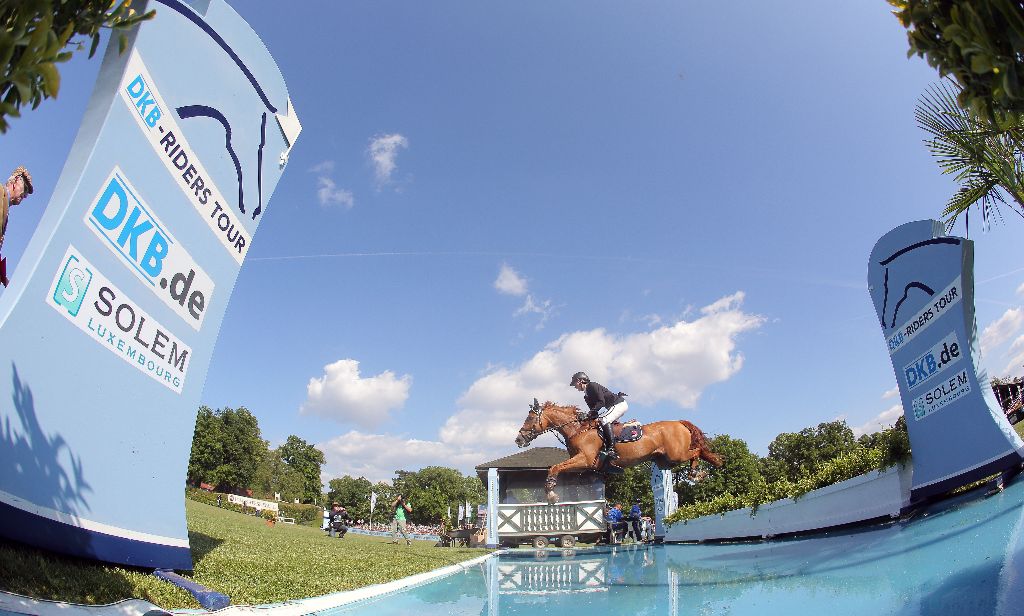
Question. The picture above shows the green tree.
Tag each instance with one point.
(740, 469)
(386, 493)
(893, 442)
(985, 161)
(206, 453)
(307, 460)
(431, 491)
(242, 448)
(37, 35)
(634, 483)
(977, 43)
(352, 494)
(795, 455)
(274, 476)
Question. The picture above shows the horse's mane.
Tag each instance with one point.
(568, 407)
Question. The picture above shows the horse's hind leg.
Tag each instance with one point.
(696, 475)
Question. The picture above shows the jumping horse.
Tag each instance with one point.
(666, 443)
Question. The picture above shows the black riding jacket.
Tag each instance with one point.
(597, 396)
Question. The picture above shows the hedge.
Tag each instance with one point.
(309, 515)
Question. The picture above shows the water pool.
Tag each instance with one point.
(961, 557)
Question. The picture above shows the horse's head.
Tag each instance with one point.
(533, 426)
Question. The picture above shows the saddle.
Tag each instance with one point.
(628, 432)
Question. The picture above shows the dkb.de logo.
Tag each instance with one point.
(132, 231)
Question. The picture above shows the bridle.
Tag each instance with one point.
(538, 411)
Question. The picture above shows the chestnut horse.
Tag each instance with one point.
(666, 443)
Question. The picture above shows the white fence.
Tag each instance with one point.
(865, 497)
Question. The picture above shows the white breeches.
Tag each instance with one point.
(614, 413)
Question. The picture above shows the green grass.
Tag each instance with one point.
(235, 554)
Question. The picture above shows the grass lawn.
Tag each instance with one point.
(235, 554)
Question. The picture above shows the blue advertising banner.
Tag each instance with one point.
(921, 282)
(109, 324)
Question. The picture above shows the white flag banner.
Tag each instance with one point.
(462, 512)
(468, 510)
(373, 500)
(449, 512)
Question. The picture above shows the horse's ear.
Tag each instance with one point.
(536, 405)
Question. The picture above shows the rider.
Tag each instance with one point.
(597, 396)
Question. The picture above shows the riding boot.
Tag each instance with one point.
(609, 445)
(608, 454)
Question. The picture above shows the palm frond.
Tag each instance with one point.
(986, 162)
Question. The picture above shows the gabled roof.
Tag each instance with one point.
(533, 458)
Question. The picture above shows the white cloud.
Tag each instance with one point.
(892, 393)
(532, 306)
(378, 456)
(1016, 363)
(1004, 328)
(673, 363)
(383, 150)
(328, 194)
(341, 394)
(1020, 290)
(324, 167)
(510, 282)
(883, 420)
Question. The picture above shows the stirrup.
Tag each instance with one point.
(611, 469)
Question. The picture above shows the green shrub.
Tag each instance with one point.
(891, 448)
(309, 515)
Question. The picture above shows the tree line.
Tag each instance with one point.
(230, 454)
(793, 459)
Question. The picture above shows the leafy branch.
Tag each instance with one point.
(37, 35)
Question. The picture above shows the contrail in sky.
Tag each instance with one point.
(783, 274)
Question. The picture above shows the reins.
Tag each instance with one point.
(557, 429)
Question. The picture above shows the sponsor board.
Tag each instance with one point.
(130, 229)
(944, 353)
(155, 119)
(942, 395)
(940, 304)
(95, 306)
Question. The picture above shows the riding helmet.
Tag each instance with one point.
(579, 377)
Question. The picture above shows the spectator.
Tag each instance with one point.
(616, 527)
(400, 506)
(634, 518)
(14, 190)
(336, 520)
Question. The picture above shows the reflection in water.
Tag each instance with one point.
(962, 557)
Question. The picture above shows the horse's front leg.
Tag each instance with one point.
(576, 462)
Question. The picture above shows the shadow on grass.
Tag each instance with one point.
(201, 545)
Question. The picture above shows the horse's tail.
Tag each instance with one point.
(700, 442)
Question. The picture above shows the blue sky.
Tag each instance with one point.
(678, 198)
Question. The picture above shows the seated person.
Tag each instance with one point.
(616, 527)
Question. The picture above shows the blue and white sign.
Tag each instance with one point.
(922, 284)
(107, 329)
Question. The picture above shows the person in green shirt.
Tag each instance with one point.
(401, 507)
